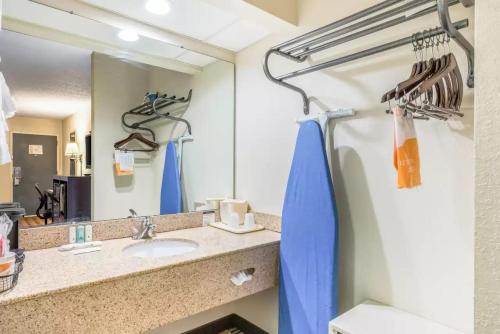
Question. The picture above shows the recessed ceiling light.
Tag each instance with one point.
(158, 7)
(128, 35)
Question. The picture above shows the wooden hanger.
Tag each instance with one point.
(458, 87)
(139, 137)
(448, 82)
(426, 70)
(392, 93)
(436, 78)
(437, 83)
(416, 68)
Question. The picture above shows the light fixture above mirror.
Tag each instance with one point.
(128, 35)
(158, 7)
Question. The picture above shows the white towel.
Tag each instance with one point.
(8, 110)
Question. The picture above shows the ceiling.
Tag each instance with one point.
(193, 18)
(40, 83)
(103, 34)
(47, 79)
(199, 24)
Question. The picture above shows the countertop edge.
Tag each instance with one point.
(132, 274)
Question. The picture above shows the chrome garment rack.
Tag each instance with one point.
(150, 109)
(363, 23)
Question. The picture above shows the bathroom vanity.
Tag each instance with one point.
(117, 290)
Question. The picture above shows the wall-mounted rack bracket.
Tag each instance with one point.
(444, 18)
(324, 118)
(379, 17)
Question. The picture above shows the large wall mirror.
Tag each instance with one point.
(125, 122)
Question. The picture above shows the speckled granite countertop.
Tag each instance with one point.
(48, 271)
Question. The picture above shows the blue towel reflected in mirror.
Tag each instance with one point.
(171, 193)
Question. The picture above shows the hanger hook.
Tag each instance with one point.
(420, 43)
(427, 38)
(438, 41)
(433, 41)
(415, 45)
(414, 42)
(448, 38)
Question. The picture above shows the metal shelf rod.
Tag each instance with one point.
(365, 53)
(382, 16)
(349, 19)
(371, 30)
(358, 25)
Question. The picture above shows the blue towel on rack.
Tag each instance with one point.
(308, 249)
(171, 195)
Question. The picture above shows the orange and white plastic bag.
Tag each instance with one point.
(123, 163)
(406, 156)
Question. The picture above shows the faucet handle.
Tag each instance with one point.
(133, 213)
(152, 230)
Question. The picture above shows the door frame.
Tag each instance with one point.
(11, 148)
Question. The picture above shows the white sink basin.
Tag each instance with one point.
(160, 248)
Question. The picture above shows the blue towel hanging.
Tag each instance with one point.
(171, 195)
(308, 249)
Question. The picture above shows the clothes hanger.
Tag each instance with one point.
(456, 78)
(425, 113)
(460, 85)
(446, 87)
(407, 85)
(434, 88)
(440, 87)
(448, 65)
(429, 68)
(435, 79)
(139, 137)
(415, 70)
(451, 80)
(436, 111)
(420, 71)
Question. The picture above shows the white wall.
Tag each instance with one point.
(487, 166)
(412, 249)
(208, 161)
(81, 124)
(211, 114)
(116, 87)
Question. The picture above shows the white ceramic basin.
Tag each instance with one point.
(160, 248)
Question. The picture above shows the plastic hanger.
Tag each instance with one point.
(139, 137)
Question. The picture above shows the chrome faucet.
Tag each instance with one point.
(144, 229)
